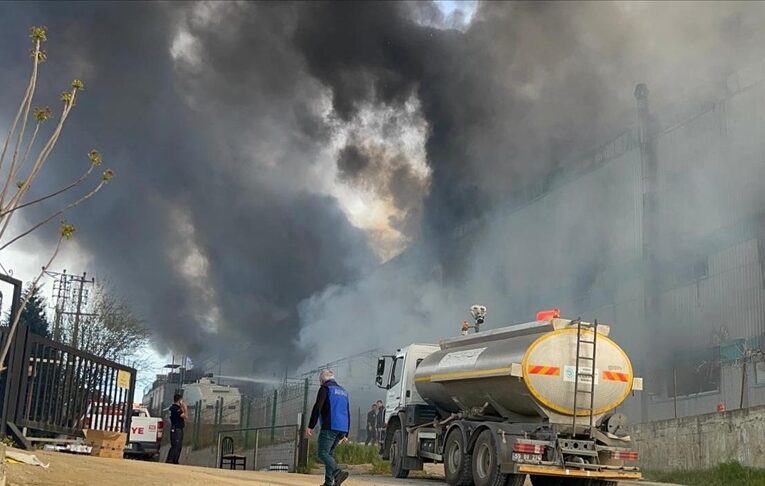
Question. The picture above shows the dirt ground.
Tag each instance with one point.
(72, 470)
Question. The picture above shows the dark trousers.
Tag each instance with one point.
(176, 444)
(371, 435)
(328, 440)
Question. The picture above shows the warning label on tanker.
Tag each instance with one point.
(585, 374)
(459, 359)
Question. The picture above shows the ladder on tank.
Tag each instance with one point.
(586, 362)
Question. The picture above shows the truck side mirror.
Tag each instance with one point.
(380, 372)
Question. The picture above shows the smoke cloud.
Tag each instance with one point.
(268, 156)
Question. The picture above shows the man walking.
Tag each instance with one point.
(178, 414)
(333, 408)
(372, 425)
(380, 424)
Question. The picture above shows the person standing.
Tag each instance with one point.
(178, 414)
(372, 425)
(380, 425)
(333, 408)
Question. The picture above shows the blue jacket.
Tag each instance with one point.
(333, 407)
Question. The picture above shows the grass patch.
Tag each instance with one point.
(350, 454)
(729, 474)
(380, 467)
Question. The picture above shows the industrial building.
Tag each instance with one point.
(660, 232)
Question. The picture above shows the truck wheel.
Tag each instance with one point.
(486, 464)
(396, 455)
(457, 461)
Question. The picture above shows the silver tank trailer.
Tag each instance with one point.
(526, 373)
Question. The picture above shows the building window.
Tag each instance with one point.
(693, 378)
(759, 372)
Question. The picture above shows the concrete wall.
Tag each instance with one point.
(703, 441)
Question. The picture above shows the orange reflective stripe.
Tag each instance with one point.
(544, 370)
(616, 376)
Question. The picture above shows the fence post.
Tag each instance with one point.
(222, 408)
(247, 426)
(302, 439)
(255, 454)
(273, 415)
(197, 422)
(358, 424)
(217, 413)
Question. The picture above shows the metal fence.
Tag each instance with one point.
(51, 388)
(283, 406)
(264, 447)
(66, 390)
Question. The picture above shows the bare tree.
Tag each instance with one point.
(18, 174)
(112, 330)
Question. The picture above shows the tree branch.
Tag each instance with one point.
(14, 325)
(47, 149)
(31, 93)
(53, 194)
(12, 130)
(57, 213)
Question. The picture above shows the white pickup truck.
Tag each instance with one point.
(145, 435)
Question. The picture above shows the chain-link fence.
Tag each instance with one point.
(267, 428)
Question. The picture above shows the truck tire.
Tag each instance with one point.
(396, 454)
(486, 464)
(457, 462)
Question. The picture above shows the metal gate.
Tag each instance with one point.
(55, 388)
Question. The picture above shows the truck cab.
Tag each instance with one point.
(395, 373)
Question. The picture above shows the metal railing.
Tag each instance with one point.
(54, 388)
(66, 390)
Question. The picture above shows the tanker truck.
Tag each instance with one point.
(535, 399)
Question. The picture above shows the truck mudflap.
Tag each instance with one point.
(577, 473)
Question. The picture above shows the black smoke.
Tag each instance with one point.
(194, 175)
(217, 151)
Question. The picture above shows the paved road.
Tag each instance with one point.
(373, 480)
(72, 470)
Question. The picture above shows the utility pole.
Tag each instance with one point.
(76, 331)
(71, 297)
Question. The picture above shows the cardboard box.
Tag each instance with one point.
(105, 443)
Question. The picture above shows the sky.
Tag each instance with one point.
(271, 156)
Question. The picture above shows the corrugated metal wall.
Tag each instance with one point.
(710, 191)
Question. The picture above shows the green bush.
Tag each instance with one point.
(729, 474)
(350, 454)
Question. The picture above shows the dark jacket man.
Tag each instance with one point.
(178, 414)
